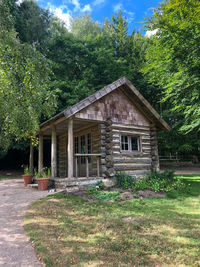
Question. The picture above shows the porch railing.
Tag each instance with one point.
(87, 156)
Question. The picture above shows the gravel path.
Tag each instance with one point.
(15, 249)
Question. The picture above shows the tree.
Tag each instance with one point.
(25, 97)
(84, 27)
(118, 33)
(173, 61)
(31, 22)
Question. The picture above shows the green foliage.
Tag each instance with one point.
(32, 24)
(25, 97)
(46, 173)
(163, 182)
(141, 184)
(37, 174)
(95, 187)
(106, 195)
(167, 175)
(124, 180)
(85, 28)
(100, 185)
(172, 61)
(91, 189)
(27, 171)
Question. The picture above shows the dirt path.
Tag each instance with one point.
(15, 249)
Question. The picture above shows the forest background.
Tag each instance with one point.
(45, 68)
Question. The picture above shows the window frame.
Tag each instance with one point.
(129, 136)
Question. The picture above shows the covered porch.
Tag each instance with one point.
(75, 150)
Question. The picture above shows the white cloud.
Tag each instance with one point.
(65, 17)
(150, 33)
(19, 2)
(60, 12)
(86, 8)
(76, 4)
(117, 7)
(98, 2)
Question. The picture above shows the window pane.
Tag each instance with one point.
(124, 142)
(126, 147)
(134, 143)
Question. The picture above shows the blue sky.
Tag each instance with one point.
(135, 10)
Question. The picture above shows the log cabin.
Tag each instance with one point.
(113, 130)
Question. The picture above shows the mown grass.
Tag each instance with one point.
(72, 231)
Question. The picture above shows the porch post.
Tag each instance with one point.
(70, 148)
(53, 152)
(40, 153)
(31, 157)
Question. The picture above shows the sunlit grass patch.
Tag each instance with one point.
(142, 232)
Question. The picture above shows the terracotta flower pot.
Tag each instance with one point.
(27, 178)
(43, 183)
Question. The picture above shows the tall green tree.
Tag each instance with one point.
(31, 22)
(118, 33)
(173, 61)
(84, 27)
(25, 97)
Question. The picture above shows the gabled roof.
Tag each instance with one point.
(127, 87)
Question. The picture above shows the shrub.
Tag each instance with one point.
(141, 184)
(94, 188)
(166, 175)
(106, 195)
(165, 182)
(124, 180)
(100, 184)
(91, 189)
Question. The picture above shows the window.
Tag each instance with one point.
(130, 143)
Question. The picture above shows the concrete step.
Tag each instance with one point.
(79, 183)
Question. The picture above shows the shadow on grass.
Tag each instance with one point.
(76, 232)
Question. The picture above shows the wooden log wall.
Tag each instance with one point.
(105, 138)
(154, 149)
(137, 163)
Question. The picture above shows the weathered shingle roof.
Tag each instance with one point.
(143, 104)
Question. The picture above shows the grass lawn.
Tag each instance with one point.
(69, 230)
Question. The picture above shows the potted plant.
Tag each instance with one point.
(43, 179)
(27, 176)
